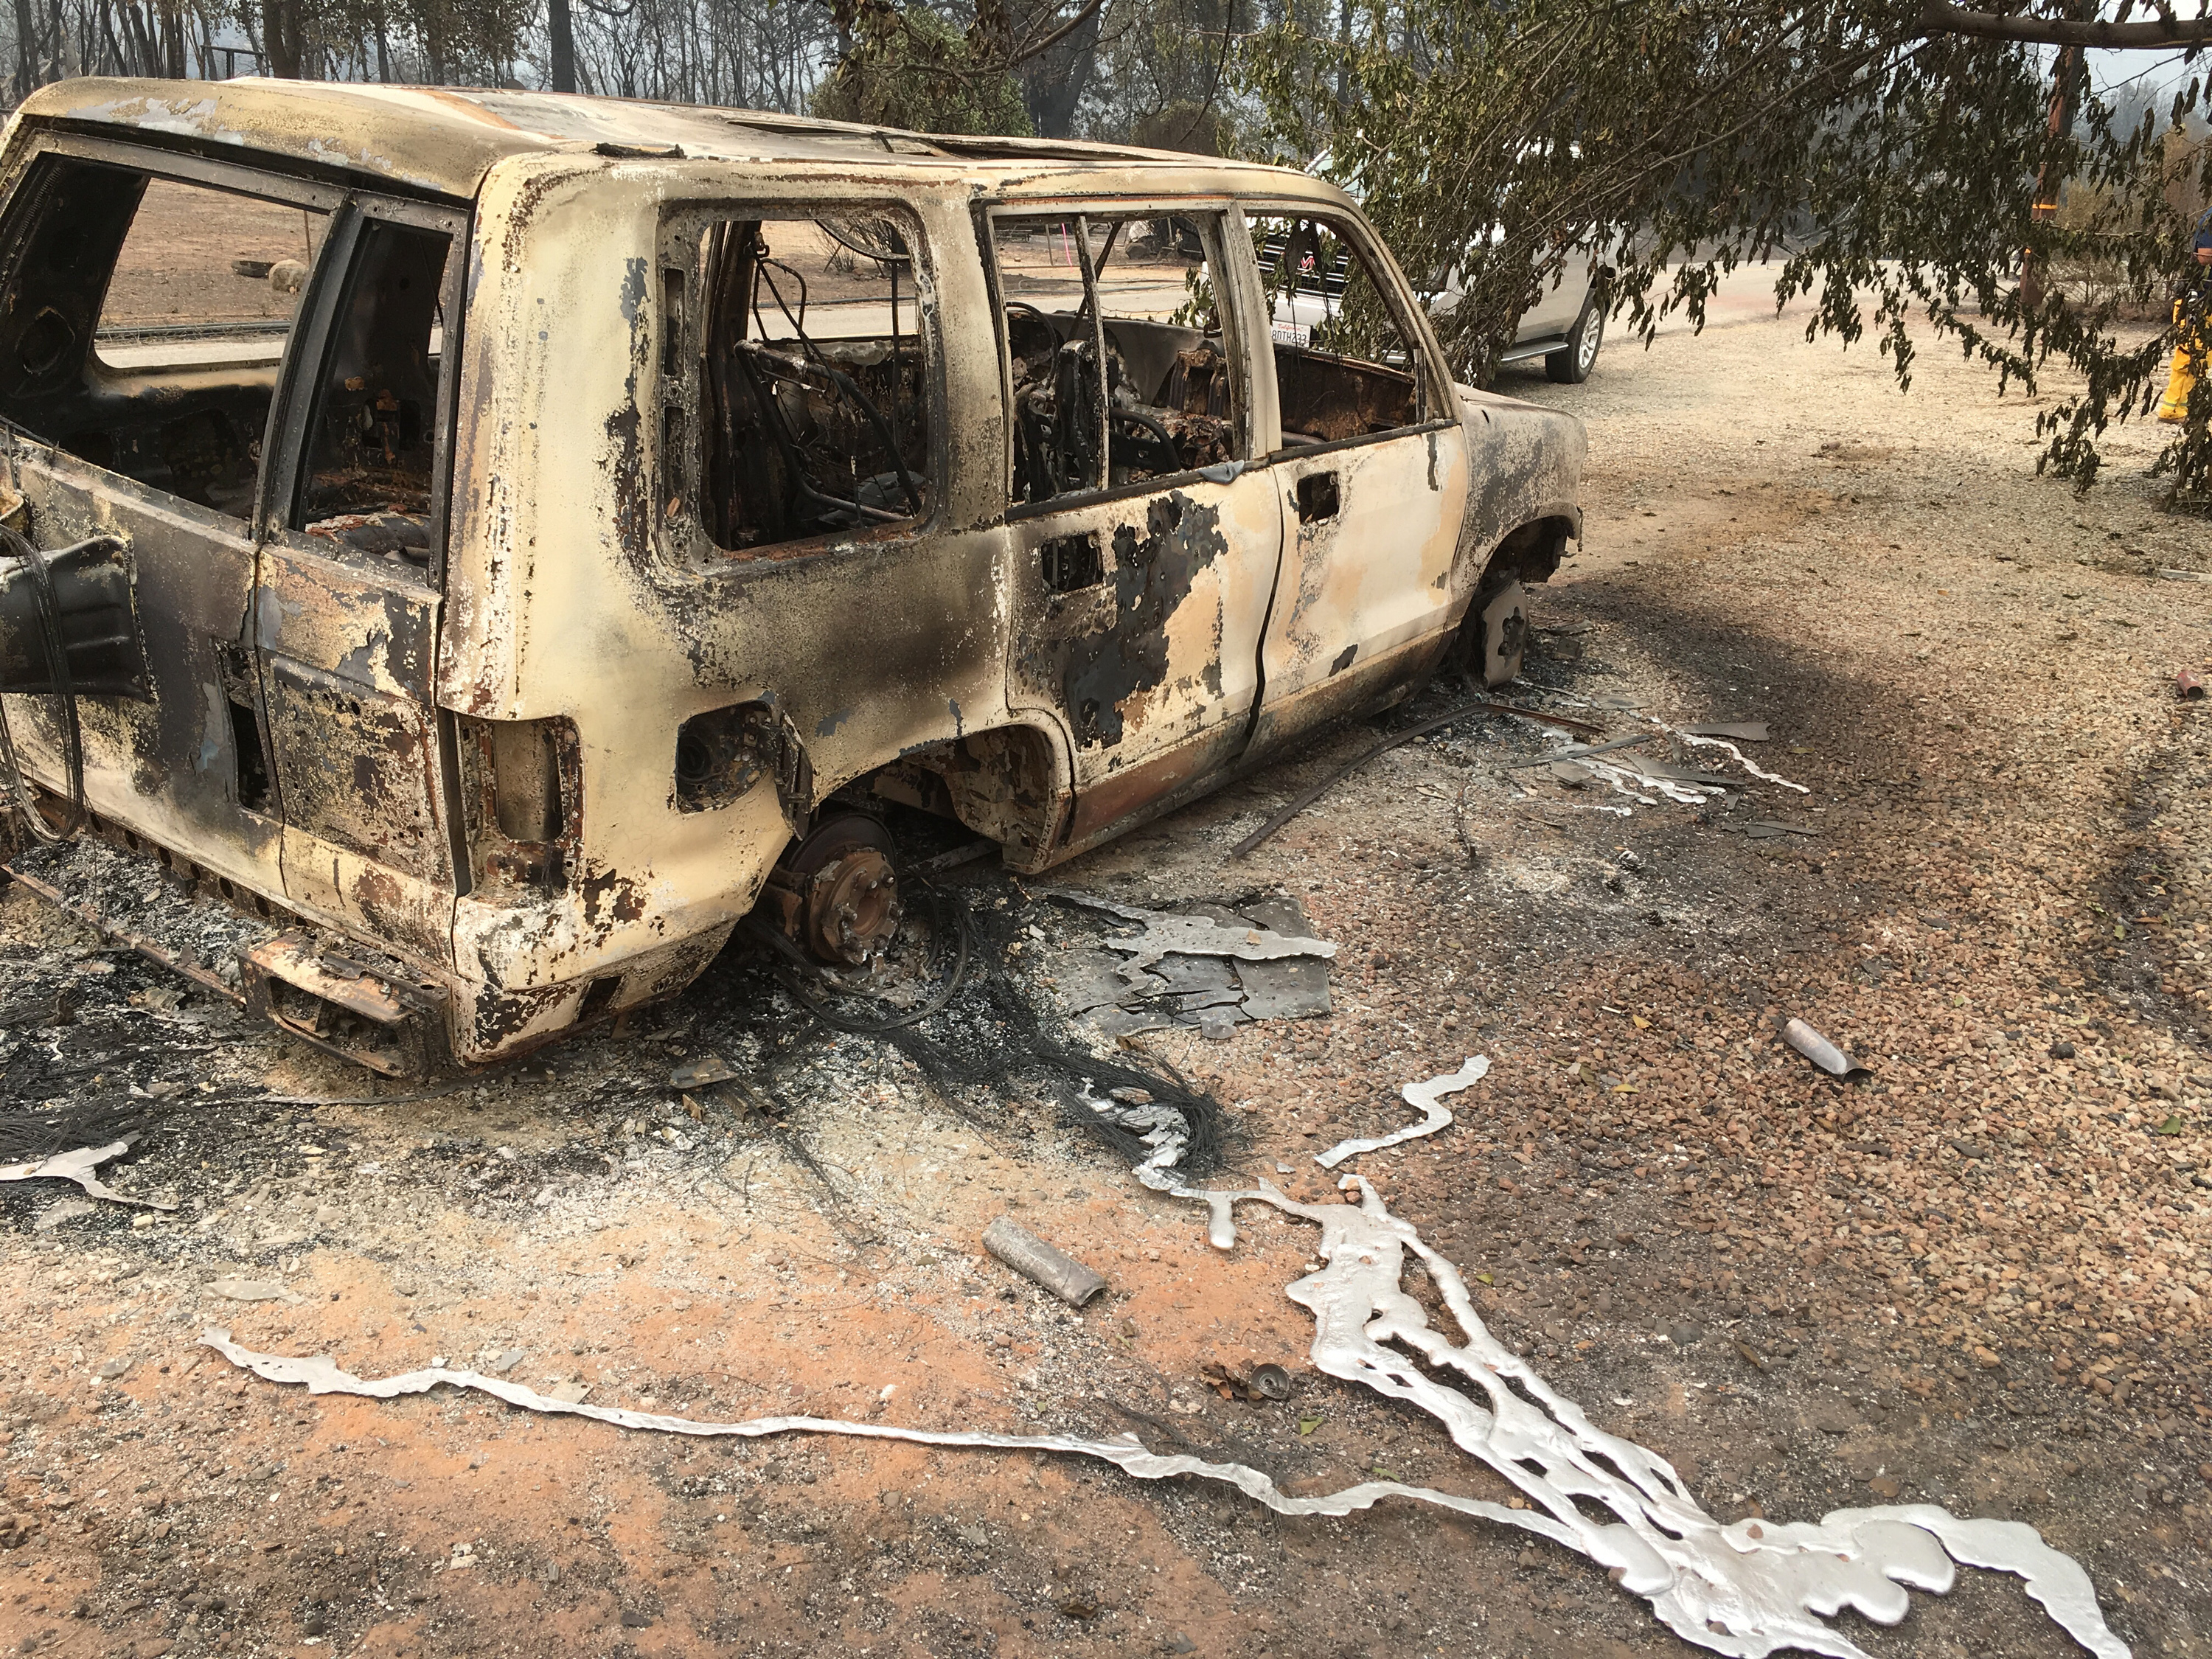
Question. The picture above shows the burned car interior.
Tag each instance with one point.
(111, 352)
(373, 424)
(1103, 392)
(816, 407)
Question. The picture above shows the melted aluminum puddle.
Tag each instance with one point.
(1751, 1589)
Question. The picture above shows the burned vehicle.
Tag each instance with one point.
(488, 544)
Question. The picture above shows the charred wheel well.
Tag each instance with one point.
(1529, 554)
(1002, 783)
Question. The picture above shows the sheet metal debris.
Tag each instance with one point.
(1821, 1051)
(82, 1165)
(1032, 1258)
(1212, 971)
(1742, 731)
(1426, 1098)
(250, 1290)
(1167, 933)
(701, 1070)
(1747, 1590)
(1576, 751)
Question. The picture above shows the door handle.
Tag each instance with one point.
(1317, 497)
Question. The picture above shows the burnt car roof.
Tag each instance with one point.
(445, 139)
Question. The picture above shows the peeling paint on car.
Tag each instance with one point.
(575, 598)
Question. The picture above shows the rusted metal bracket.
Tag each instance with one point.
(395, 1029)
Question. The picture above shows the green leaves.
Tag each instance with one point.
(1893, 174)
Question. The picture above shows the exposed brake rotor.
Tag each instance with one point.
(837, 893)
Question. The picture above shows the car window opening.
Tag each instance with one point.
(143, 321)
(1115, 355)
(815, 413)
(373, 430)
(1345, 366)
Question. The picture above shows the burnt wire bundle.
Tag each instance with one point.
(979, 1034)
(32, 1138)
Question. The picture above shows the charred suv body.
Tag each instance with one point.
(497, 542)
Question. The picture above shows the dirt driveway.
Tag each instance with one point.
(1976, 1278)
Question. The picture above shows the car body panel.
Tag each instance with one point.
(568, 598)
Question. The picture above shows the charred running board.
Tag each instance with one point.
(119, 934)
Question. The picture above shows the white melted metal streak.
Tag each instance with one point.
(1751, 1589)
(1742, 760)
(82, 1166)
(1426, 1098)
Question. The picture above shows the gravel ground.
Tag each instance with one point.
(1975, 1277)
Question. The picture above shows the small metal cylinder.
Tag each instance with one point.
(1031, 1257)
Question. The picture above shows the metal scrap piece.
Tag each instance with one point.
(701, 1070)
(1426, 1098)
(80, 1166)
(1262, 1381)
(1167, 934)
(1032, 1258)
(251, 1289)
(1294, 988)
(1821, 1051)
(1576, 751)
(1196, 976)
(1118, 1022)
(1742, 731)
(1093, 979)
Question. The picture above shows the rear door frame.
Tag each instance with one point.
(245, 850)
(347, 645)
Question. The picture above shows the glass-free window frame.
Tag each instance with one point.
(681, 308)
(28, 207)
(1219, 223)
(1434, 402)
(322, 307)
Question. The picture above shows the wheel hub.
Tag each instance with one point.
(852, 907)
(846, 889)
